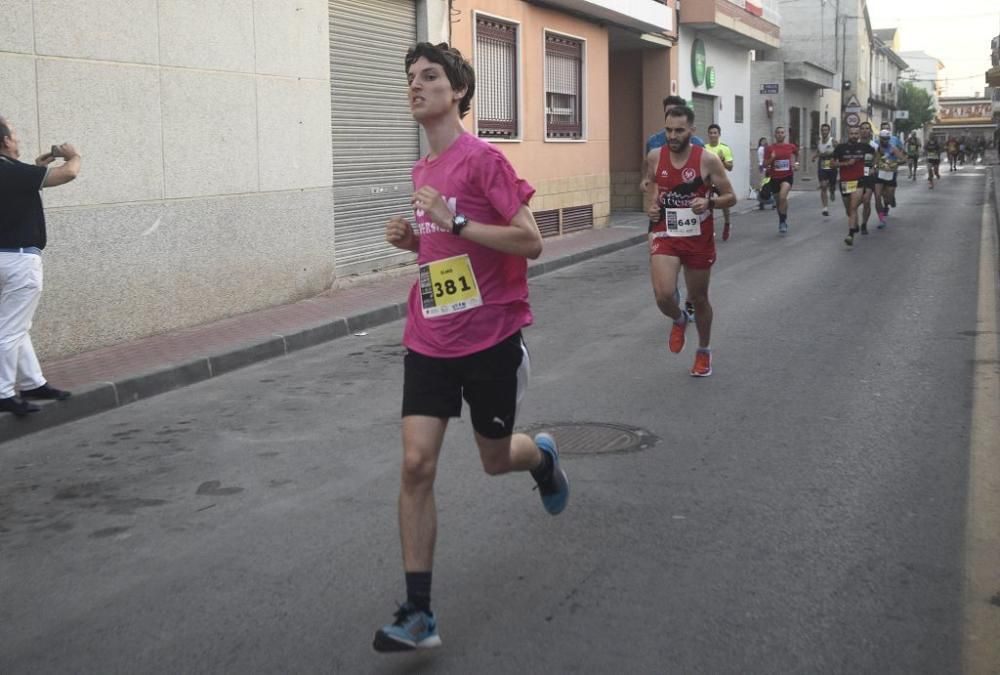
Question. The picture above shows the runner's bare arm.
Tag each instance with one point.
(649, 178)
(521, 236)
(841, 162)
(715, 172)
(644, 171)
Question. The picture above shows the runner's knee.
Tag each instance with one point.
(664, 292)
(419, 466)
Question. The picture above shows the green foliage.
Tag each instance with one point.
(918, 102)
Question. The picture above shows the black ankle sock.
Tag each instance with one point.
(543, 471)
(418, 590)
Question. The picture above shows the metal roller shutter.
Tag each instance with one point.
(375, 140)
(704, 113)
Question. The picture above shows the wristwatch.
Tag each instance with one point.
(458, 223)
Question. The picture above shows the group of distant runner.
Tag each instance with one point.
(864, 168)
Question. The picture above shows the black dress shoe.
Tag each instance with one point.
(17, 406)
(45, 392)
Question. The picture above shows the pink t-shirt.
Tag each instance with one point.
(476, 180)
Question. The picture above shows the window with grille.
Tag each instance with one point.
(563, 87)
(496, 78)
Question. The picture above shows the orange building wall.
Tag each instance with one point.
(639, 81)
(627, 139)
(564, 173)
(626, 110)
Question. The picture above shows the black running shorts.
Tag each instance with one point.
(492, 382)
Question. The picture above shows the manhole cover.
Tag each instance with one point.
(596, 438)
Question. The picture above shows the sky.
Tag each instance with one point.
(957, 32)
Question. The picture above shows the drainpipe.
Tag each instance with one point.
(836, 42)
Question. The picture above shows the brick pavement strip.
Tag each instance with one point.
(106, 378)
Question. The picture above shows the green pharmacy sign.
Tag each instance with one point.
(710, 77)
(698, 62)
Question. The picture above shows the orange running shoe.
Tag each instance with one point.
(676, 342)
(725, 232)
(702, 364)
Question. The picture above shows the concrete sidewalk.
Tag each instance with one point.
(114, 376)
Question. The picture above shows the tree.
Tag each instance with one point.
(918, 103)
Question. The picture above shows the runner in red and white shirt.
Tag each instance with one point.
(681, 229)
(472, 234)
(781, 159)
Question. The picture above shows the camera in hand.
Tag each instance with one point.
(57, 151)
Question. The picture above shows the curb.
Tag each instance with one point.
(993, 192)
(104, 396)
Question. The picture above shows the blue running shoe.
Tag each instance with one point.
(412, 629)
(782, 228)
(555, 490)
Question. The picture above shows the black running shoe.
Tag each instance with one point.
(689, 310)
(45, 393)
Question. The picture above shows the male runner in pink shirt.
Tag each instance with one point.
(473, 233)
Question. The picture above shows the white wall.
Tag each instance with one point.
(809, 32)
(204, 127)
(924, 69)
(732, 67)
(824, 101)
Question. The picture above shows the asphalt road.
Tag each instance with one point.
(802, 510)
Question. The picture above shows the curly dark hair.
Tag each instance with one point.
(459, 71)
(671, 101)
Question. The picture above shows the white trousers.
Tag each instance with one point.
(20, 290)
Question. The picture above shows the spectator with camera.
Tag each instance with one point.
(22, 238)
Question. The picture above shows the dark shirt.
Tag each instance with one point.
(22, 220)
(854, 153)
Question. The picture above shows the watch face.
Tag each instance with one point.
(459, 220)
